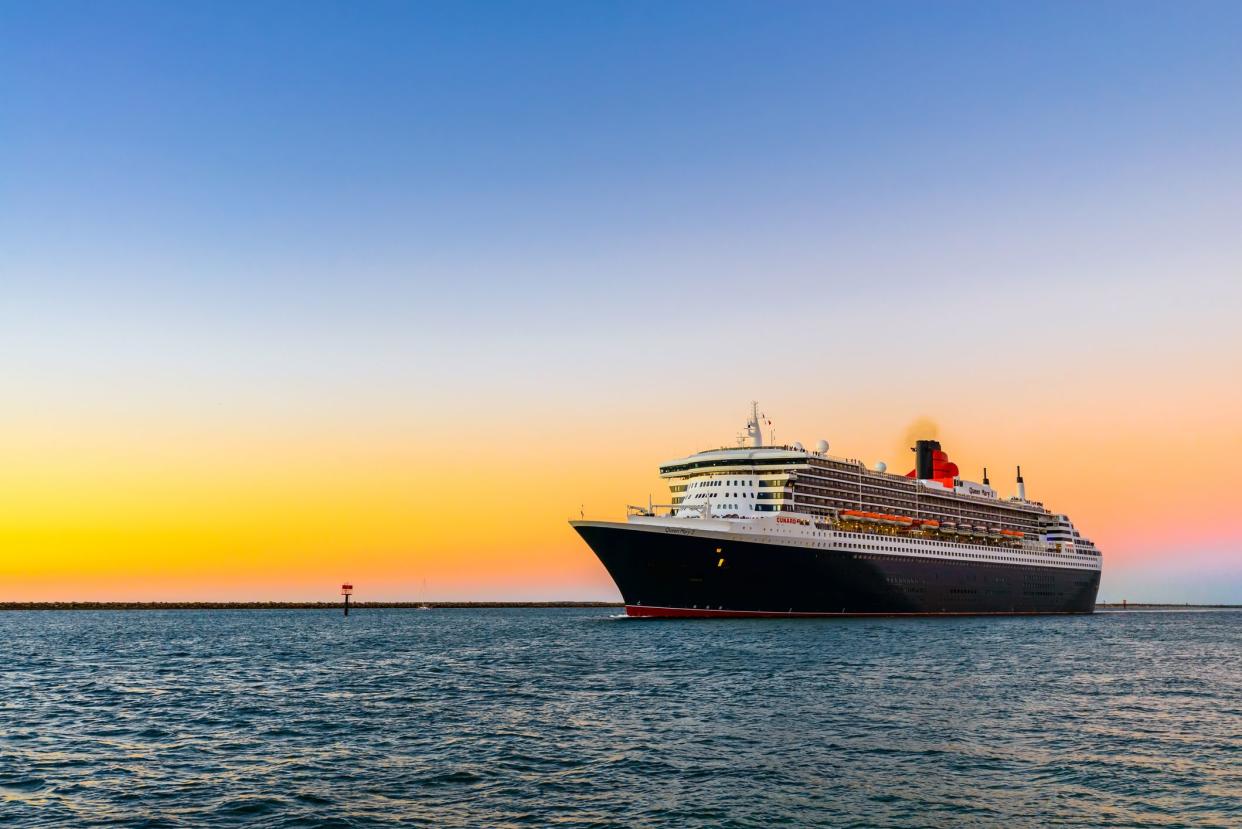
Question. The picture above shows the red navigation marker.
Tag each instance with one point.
(346, 590)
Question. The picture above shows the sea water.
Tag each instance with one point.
(575, 718)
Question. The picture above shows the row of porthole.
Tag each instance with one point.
(976, 556)
(960, 546)
(966, 552)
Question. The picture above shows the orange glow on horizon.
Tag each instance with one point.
(241, 515)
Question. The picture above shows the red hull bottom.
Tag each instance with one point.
(645, 612)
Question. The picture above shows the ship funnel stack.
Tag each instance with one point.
(986, 482)
(925, 459)
(1021, 486)
(931, 463)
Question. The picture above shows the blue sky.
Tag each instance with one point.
(306, 138)
(350, 166)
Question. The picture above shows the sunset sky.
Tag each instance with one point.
(293, 293)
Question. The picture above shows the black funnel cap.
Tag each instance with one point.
(923, 461)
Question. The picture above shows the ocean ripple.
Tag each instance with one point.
(577, 718)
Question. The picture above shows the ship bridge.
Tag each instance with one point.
(738, 482)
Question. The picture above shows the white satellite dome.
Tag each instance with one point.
(821, 447)
(881, 466)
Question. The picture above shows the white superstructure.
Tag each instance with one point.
(791, 495)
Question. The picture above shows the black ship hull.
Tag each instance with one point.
(668, 573)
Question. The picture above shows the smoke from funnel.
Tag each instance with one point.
(923, 428)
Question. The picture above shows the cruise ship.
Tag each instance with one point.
(783, 531)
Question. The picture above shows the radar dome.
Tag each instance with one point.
(821, 447)
(881, 466)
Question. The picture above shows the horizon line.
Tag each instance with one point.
(464, 605)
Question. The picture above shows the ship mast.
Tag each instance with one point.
(753, 430)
